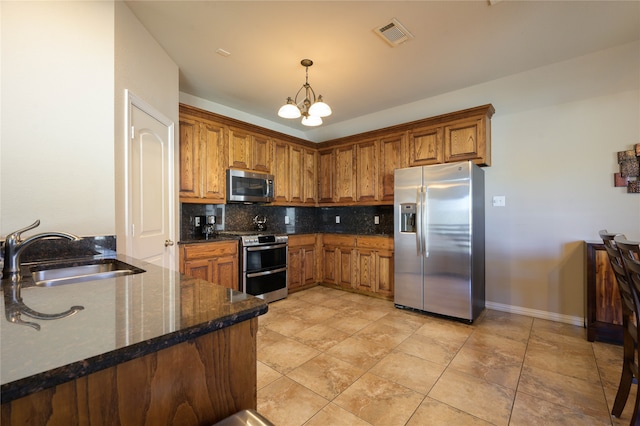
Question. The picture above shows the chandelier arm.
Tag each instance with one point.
(297, 94)
(309, 88)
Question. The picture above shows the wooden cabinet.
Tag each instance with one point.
(261, 154)
(345, 180)
(199, 381)
(239, 149)
(460, 136)
(326, 175)
(375, 265)
(310, 179)
(604, 309)
(362, 263)
(281, 172)
(392, 156)
(202, 150)
(337, 173)
(357, 169)
(366, 171)
(426, 146)
(362, 172)
(295, 173)
(301, 262)
(467, 140)
(216, 262)
(249, 151)
(338, 260)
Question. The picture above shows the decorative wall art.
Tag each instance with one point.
(629, 175)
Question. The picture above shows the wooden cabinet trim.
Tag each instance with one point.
(231, 122)
(375, 242)
(339, 240)
(208, 250)
(440, 120)
(302, 240)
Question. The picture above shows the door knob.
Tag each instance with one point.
(168, 243)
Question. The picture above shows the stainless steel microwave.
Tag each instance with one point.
(249, 187)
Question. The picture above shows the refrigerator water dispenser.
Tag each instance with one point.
(408, 217)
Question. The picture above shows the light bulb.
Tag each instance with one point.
(311, 120)
(289, 110)
(320, 109)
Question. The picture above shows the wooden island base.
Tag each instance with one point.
(197, 382)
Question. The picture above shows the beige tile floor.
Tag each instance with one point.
(329, 357)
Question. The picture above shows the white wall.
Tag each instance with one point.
(57, 117)
(65, 68)
(145, 69)
(555, 166)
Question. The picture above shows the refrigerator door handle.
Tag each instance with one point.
(419, 221)
(425, 222)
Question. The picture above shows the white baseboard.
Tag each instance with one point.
(535, 313)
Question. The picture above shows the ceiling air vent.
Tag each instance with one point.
(394, 33)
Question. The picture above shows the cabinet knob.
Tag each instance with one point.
(168, 243)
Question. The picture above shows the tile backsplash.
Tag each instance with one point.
(302, 220)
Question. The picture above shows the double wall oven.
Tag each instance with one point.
(264, 266)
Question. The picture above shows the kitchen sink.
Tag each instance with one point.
(58, 274)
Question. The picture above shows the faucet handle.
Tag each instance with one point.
(17, 233)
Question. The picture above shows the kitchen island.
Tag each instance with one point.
(155, 348)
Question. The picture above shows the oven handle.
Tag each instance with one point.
(259, 274)
(260, 248)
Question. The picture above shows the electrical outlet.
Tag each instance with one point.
(499, 201)
(337, 219)
(376, 220)
(286, 220)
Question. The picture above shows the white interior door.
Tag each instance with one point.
(151, 204)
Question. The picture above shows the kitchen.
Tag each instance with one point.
(554, 141)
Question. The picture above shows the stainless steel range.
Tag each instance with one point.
(264, 266)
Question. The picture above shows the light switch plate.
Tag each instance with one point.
(499, 201)
(337, 219)
(286, 220)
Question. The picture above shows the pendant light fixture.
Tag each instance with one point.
(311, 109)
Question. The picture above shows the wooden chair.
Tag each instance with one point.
(630, 312)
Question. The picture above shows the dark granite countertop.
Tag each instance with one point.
(216, 239)
(233, 235)
(123, 318)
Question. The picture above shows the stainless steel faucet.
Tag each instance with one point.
(14, 245)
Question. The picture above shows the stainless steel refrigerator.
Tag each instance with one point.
(439, 239)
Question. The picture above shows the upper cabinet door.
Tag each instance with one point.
(345, 185)
(296, 187)
(425, 146)
(260, 153)
(213, 142)
(202, 152)
(392, 156)
(239, 149)
(466, 140)
(249, 151)
(326, 175)
(367, 171)
(310, 176)
(281, 177)
(190, 184)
